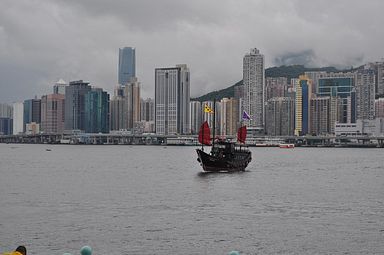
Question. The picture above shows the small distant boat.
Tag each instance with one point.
(48, 150)
(287, 145)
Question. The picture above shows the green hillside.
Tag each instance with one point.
(282, 71)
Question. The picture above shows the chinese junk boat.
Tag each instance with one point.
(224, 156)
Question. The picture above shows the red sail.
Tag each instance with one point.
(242, 134)
(205, 134)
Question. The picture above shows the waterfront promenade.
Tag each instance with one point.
(154, 139)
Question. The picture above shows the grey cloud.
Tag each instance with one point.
(306, 57)
(44, 40)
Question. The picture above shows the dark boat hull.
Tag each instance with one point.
(210, 163)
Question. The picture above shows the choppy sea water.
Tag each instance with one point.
(152, 200)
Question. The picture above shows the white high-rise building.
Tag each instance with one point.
(6, 111)
(172, 96)
(254, 88)
(365, 94)
(229, 116)
(18, 118)
(196, 117)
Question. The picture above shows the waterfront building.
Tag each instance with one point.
(379, 107)
(254, 88)
(320, 116)
(117, 113)
(75, 105)
(96, 111)
(6, 111)
(125, 106)
(6, 126)
(131, 92)
(276, 87)
(229, 116)
(18, 118)
(32, 111)
(363, 127)
(341, 86)
(59, 87)
(280, 116)
(365, 94)
(302, 105)
(314, 77)
(196, 116)
(147, 109)
(380, 79)
(52, 113)
(172, 97)
(127, 65)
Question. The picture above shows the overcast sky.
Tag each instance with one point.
(42, 41)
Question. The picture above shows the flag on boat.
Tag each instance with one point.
(208, 109)
(246, 116)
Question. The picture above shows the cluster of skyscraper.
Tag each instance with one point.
(78, 107)
(316, 103)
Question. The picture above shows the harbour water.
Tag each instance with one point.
(152, 200)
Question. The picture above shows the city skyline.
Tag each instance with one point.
(37, 53)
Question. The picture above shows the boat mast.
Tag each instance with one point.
(214, 121)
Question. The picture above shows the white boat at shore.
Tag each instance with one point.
(287, 145)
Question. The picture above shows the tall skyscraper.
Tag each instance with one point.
(96, 111)
(196, 116)
(276, 87)
(59, 87)
(18, 118)
(365, 94)
(147, 109)
(32, 112)
(75, 105)
(380, 79)
(125, 106)
(280, 116)
(6, 111)
(341, 86)
(6, 121)
(320, 115)
(379, 107)
(132, 99)
(254, 87)
(52, 113)
(302, 105)
(118, 113)
(127, 65)
(172, 96)
(229, 117)
(6, 126)
(314, 77)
